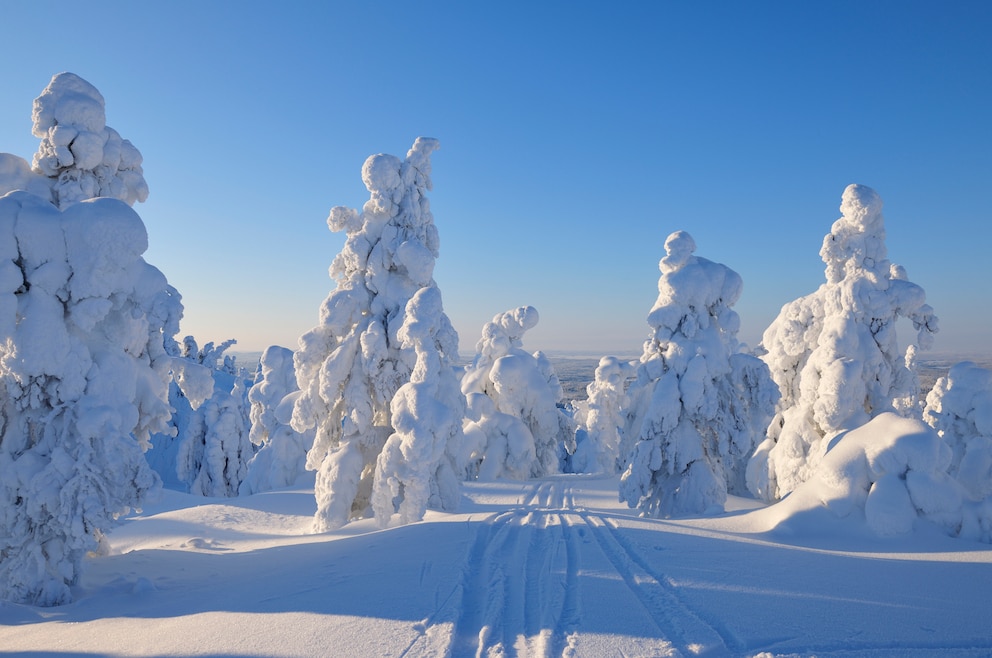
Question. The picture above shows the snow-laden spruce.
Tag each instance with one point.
(415, 467)
(960, 408)
(214, 450)
(282, 451)
(600, 418)
(698, 404)
(834, 353)
(86, 328)
(351, 365)
(521, 385)
(206, 448)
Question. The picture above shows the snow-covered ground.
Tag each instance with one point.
(551, 567)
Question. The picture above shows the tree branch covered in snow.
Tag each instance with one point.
(960, 408)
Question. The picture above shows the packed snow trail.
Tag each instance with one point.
(520, 593)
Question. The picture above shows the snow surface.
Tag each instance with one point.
(549, 567)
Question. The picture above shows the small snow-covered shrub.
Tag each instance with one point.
(960, 408)
(521, 385)
(415, 466)
(206, 448)
(600, 418)
(892, 470)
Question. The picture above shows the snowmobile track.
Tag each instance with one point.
(674, 619)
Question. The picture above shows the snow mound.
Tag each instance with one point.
(16, 174)
(889, 475)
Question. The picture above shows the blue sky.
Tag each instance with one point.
(575, 136)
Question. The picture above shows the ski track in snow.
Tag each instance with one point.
(494, 612)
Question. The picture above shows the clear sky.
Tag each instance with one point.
(575, 136)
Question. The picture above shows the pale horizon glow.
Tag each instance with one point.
(574, 139)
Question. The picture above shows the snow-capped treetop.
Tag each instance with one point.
(679, 248)
(693, 293)
(856, 242)
(501, 336)
(85, 157)
(69, 101)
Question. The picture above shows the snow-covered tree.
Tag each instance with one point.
(282, 451)
(696, 397)
(80, 154)
(522, 385)
(960, 408)
(86, 326)
(415, 466)
(214, 451)
(206, 448)
(834, 353)
(600, 418)
(351, 365)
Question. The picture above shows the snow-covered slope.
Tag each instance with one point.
(550, 567)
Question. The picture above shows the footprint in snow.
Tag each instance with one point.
(202, 544)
